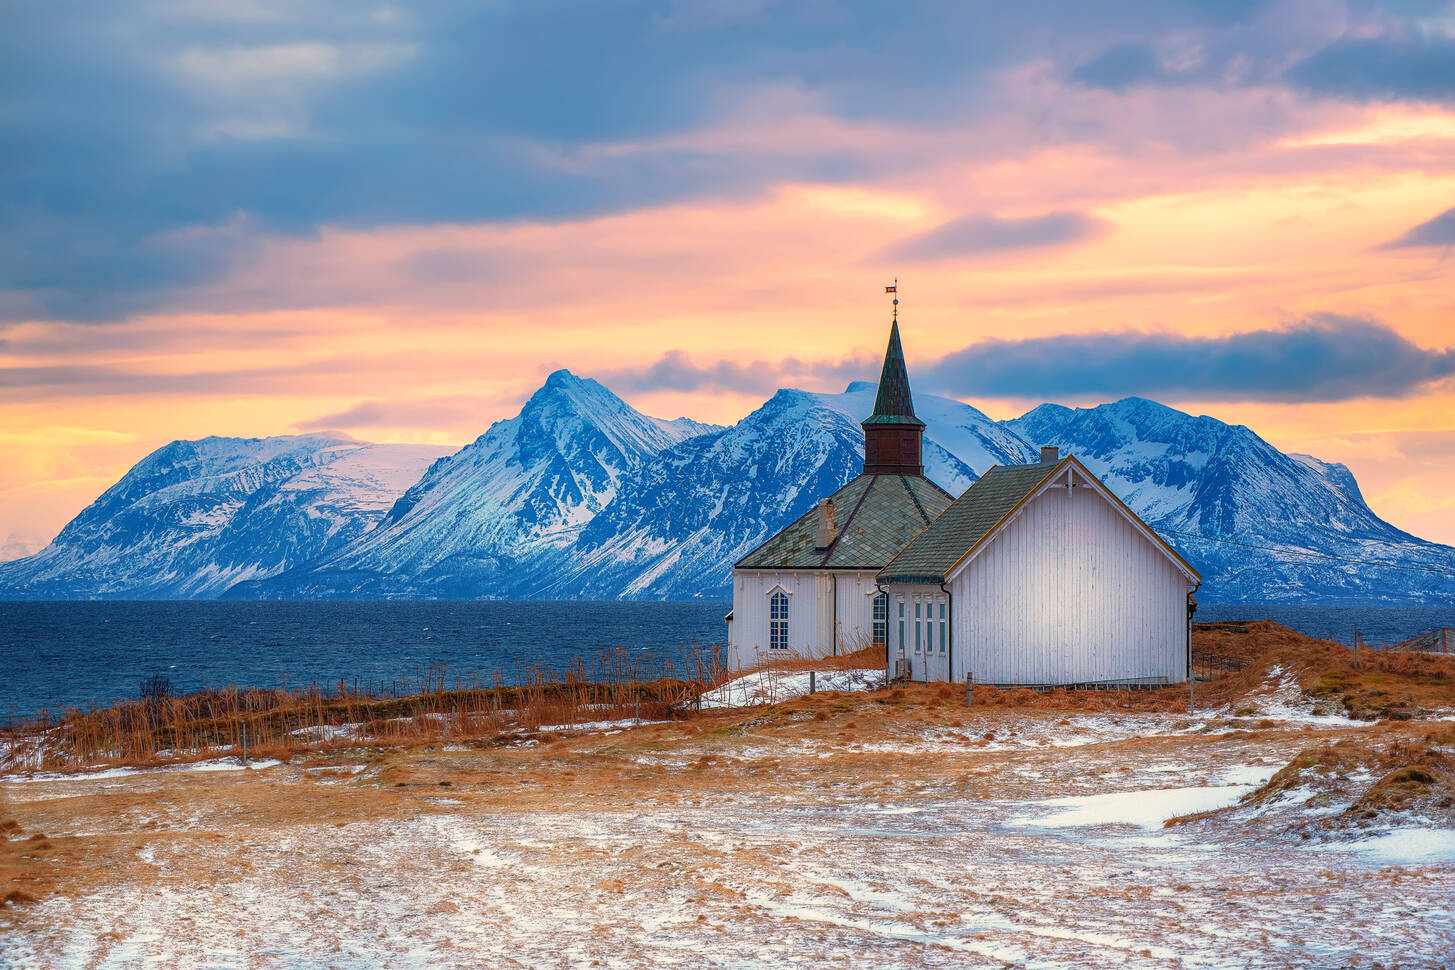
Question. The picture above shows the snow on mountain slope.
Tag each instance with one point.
(676, 528)
(1201, 477)
(501, 508)
(581, 496)
(195, 517)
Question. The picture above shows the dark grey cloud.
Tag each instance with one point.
(971, 235)
(1121, 66)
(1439, 231)
(130, 126)
(1323, 358)
(1326, 357)
(1414, 67)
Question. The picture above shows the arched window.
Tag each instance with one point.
(778, 620)
(881, 619)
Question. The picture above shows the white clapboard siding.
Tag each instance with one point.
(1068, 592)
(811, 612)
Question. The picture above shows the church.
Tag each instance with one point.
(1036, 576)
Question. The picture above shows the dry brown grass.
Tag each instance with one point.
(1384, 684)
(278, 724)
(854, 656)
(735, 754)
(1413, 768)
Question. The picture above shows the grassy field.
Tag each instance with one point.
(1300, 816)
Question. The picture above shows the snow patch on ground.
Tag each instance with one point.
(1286, 701)
(773, 686)
(219, 764)
(1407, 846)
(609, 727)
(1148, 808)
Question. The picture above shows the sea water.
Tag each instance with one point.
(61, 654)
(55, 655)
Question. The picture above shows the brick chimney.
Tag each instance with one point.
(827, 529)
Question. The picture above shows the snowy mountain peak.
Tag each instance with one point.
(504, 504)
(1270, 520)
(194, 517)
(581, 495)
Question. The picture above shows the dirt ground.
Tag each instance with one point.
(892, 827)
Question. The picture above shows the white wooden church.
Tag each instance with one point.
(1036, 575)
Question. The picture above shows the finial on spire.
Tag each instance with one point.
(894, 288)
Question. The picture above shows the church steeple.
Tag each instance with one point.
(892, 434)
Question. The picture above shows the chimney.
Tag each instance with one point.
(1050, 453)
(827, 530)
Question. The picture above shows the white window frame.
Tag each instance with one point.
(778, 625)
(900, 601)
(879, 623)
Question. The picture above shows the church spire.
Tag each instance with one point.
(894, 404)
(892, 434)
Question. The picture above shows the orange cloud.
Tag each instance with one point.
(429, 332)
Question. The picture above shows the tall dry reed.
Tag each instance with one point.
(162, 726)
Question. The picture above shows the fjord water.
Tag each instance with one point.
(59, 654)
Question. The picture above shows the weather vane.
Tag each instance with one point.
(894, 288)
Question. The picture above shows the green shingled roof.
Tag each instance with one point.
(931, 556)
(876, 515)
(894, 404)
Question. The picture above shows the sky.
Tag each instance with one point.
(248, 217)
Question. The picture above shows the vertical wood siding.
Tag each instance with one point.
(1069, 592)
(811, 616)
(926, 662)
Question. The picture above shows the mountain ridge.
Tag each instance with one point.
(579, 495)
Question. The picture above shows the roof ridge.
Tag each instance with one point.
(950, 524)
(829, 552)
(904, 480)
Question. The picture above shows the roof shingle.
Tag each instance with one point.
(878, 515)
(936, 550)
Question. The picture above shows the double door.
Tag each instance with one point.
(924, 627)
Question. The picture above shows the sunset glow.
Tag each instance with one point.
(272, 223)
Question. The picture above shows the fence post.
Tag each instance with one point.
(245, 745)
(812, 683)
(969, 687)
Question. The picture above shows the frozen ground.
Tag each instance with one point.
(871, 836)
(770, 686)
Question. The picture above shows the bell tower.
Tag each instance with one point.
(892, 434)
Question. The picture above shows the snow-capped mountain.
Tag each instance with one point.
(581, 496)
(504, 508)
(195, 517)
(677, 527)
(1196, 476)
